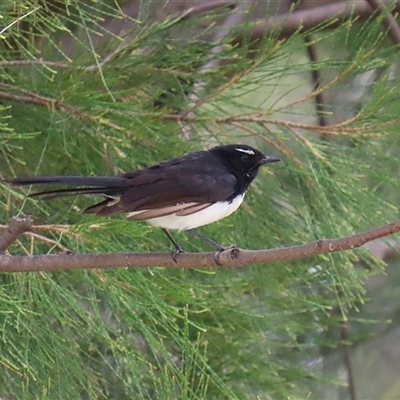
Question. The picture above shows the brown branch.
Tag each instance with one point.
(388, 22)
(230, 258)
(288, 24)
(17, 226)
(33, 98)
(285, 23)
(317, 80)
(344, 335)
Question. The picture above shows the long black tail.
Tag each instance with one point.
(89, 185)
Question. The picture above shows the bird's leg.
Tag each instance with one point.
(194, 233)
(220, 248)
(178, 249)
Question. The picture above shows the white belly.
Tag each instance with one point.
(210, 214)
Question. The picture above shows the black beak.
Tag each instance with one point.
(269, 159)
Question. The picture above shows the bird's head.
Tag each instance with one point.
(244, 160)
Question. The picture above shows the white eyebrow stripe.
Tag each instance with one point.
(247, 151)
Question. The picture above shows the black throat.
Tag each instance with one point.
(243, 177)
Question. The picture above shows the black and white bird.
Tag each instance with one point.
(182, 193)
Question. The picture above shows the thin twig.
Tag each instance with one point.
(56, 228)
(230, 258)
(28, 253)
(60, 65)
(25, 63)
(18, 19)
(334, 130)
(17, 226)
(305, 141)
(44, 239)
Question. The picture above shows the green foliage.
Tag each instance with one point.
(107, 105)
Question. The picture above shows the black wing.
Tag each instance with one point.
(175, 187)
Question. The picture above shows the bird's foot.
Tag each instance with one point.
(178, 249)
(220, 250)
(175, 254)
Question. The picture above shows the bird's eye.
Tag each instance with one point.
(245, 158)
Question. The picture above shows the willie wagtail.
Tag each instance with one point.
(182, 193)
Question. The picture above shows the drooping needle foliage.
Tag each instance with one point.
(86, 89)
